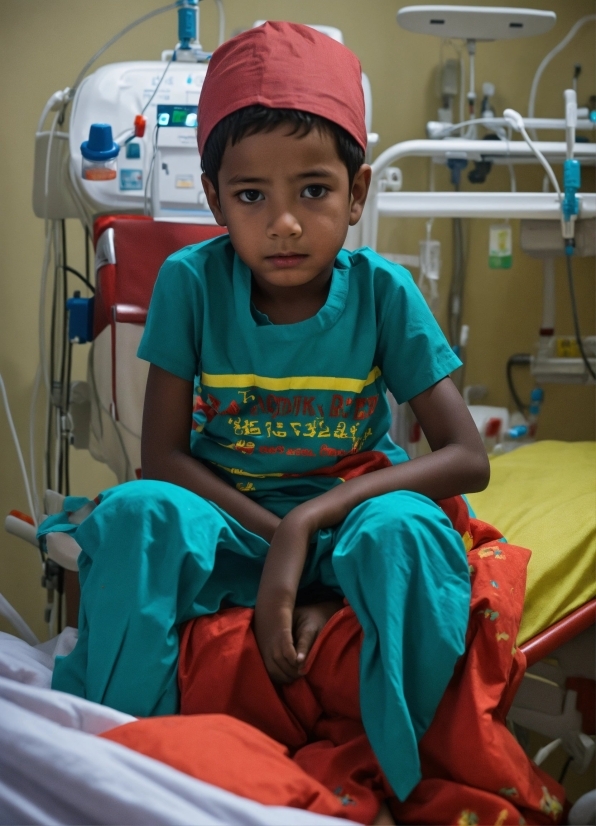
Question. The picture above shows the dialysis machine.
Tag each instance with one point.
(117, 151)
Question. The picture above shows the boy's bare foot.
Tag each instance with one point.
(384, 817)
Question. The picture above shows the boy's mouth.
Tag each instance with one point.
(286, 260)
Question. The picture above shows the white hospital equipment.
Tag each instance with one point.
(142, 167)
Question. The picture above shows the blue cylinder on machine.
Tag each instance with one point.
(187, 22)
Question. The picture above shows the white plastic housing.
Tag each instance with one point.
(475, 22)
(115, 94)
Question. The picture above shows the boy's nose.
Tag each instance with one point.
(285, 225)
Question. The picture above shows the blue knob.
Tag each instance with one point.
(100, 146)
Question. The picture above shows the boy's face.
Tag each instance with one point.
(287, 204)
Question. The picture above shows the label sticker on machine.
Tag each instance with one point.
(500, 247)
(185, 181)
(131, 179)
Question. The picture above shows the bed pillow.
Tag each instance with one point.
(231, 754)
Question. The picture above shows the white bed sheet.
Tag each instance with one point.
(53, 770)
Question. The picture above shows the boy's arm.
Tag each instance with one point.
(165, 452)
(458, 464)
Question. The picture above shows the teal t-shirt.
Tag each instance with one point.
(278, 408)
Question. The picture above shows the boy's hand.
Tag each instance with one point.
(273, 631)
(274, 608)
(309, 621)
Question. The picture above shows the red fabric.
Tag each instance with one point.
(283, 66)
(474, 771)
(230, 754)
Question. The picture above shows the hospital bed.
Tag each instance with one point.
(527, 498)
(541, 496)
(54, 769)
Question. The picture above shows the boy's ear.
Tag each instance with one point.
(213, 200)
(360, 186)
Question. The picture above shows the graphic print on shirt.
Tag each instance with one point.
(294, 425)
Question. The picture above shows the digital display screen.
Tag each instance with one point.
(176, 115)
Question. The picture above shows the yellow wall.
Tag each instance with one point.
(44, 43)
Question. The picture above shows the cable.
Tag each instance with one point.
(564, 769)
(517, 122)
(151, 171)
(16, 620)
(32, 468)
(115, 38)
(168, 64)
(517, 360)
(559, 47)
(17, 445)
(578, 335)
(87, 255)
(79, 275)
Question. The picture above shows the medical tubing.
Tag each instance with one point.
(159, 82)
(516, 360)
(46, 181)
(547, 167)
(576, 327)
(116, 37)
(63, 473)
(149, 181)
(16, 620)
(32, 467)
(17, 445)
(559, 47)
(49, 227)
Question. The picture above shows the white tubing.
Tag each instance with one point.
(442, 149)
(32, 418)
(17, 445)
(558, 48)
(17, 621)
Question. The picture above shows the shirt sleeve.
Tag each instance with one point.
(412, 350)
(173, 332)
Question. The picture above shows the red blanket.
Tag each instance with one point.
(474, 771)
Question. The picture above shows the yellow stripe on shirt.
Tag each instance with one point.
(289, 382)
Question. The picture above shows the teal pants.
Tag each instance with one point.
(155, 555)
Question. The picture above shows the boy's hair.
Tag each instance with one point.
(253, 119)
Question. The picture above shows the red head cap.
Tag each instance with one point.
(284, 66)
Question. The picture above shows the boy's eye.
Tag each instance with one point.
(314, 191)
(250, 196)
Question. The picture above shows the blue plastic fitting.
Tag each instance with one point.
(517, 432)
(187, 22)
(571, 184)
(593, 115)
(100, 146)
(80, 319)
(456, 165)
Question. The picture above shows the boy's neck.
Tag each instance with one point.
(289, 305)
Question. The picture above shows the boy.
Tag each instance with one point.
(290, 480)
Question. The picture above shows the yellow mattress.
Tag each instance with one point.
(543, 497)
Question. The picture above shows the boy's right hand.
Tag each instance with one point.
(273, 631)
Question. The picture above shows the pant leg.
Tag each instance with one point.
(403, 569)
(148, 556)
